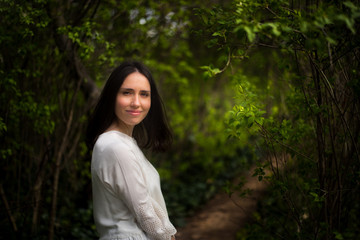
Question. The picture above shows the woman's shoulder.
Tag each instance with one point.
(113, 148)
(114, 141)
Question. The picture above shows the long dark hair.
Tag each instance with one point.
(152, 133)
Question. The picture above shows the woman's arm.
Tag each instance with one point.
(129, 185)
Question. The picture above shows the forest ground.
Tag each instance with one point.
(222, 217)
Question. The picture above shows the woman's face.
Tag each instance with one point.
(133, 100)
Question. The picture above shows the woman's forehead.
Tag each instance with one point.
(136, 80)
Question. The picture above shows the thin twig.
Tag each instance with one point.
(7, 207)
(227, 63)
(331, 93)
(267, 8)
(282, 144)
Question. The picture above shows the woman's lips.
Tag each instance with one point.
(134, 112)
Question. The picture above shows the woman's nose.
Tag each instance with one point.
(135, 101)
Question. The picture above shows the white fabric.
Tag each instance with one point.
(128, 202)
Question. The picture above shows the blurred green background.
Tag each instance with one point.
(274, 83)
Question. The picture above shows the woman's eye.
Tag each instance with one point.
(145, 94)
(126, 93)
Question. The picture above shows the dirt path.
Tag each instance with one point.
(221, 218)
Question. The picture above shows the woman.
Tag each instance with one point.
(128, 203)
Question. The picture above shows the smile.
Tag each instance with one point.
(134, 113)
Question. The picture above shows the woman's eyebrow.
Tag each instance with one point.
(130, 89)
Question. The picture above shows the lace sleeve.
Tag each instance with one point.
(130, 186)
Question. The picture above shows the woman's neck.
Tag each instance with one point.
(121, 127)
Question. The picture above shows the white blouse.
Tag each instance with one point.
(127, 198)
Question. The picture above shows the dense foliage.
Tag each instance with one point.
(55, 57)
(298, 85)
(294, 66)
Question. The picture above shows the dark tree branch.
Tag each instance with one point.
(7, 207)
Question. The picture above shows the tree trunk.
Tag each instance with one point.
(37, 192)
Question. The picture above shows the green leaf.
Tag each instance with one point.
(250, 33)
(274, 29)
(3, 127)
(351, 6)
(338, 236)
(217, 34)
(349, 22)
(331, 40)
